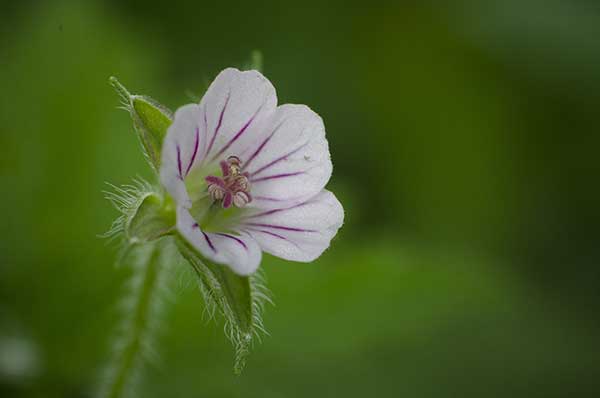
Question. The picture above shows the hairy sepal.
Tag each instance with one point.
(240, 299)
(150, 120)
(145, 213)
(151, 220)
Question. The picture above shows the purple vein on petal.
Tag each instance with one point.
(238, 134)
(258, 150)
(205, 130)
(276, 236)
(280, 227)
(195, 151)
(208, 241)
(271, 199)
(261, 146)
(268, 212)
(238, 240)
(219, 123)
(194, 226)
(179, 161)
(279, 159)
(268, 199)
(268, 233)
(276, 176)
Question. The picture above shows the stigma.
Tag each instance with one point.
(233, 187)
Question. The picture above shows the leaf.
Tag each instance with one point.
(240, 299)
(150, 119)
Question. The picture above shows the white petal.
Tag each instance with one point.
(183, 149)
(290, 163)
(240, 252)
(299, 233)
(236, 105)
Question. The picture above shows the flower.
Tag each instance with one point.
(248, 176)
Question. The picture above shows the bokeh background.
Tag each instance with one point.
(465, 141)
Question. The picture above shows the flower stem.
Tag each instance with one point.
(130, 352)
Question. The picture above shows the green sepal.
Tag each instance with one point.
(239, 299)
(146, 213)
(150, 120)
(152, 219)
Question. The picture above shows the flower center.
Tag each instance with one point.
(233, 187)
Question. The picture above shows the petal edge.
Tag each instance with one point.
(298, 233)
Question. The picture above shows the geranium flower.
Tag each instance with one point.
(248, 176)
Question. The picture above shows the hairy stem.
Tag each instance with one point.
(130, 352)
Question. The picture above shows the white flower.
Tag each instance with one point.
(248, 175)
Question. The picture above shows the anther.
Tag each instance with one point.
(234, 184)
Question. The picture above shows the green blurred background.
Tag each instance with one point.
(465, 142)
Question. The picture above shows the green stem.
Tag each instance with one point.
(127, 358)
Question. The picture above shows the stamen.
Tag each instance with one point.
(234, 186)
